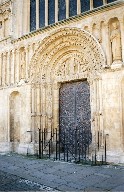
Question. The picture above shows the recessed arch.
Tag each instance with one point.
(15, 107)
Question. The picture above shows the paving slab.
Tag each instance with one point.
(21, 173)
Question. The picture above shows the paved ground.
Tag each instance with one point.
(18, 173)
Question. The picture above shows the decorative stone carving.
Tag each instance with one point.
(22, 63)
(115, 38)
(62, 47)
(5, 13)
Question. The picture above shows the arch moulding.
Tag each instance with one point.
(66, 54)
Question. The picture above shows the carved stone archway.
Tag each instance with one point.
(60, 47)
(65, 55)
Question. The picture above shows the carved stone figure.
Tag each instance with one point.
(115, 38)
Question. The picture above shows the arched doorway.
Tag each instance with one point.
(15, 107)
(68, 55)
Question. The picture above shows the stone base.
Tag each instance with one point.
(115, 157)
(111, 157)
(25, 149)
(117, 64)
(20, 148)
(5, 147)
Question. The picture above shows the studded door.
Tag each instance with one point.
(75, 115)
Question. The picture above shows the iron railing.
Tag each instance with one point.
(52, 146)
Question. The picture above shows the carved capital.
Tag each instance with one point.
(56, 86)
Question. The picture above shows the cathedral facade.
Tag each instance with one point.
(61, 64)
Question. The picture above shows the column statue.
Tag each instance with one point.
(115, 39)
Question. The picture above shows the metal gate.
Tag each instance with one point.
(75, 115)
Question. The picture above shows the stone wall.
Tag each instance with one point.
(32, 68)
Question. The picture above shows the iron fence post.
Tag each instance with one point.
(39, 143)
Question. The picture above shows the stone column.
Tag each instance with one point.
(17, 68)
(108, 46)
(20, 17)
(38, 104)
(96, 111)
(98, 104)
(1, 69)
(46, 12)
(24, 23)
(13, 67)
(121, 21)
(37, 14)
(104, 2)
(67, 9)
(56, 87)
(33, 112)
(101, 113)
(28, 16)
(4, 69)
(37, 109)
(56, 11)
(91, 4)
(49, 109)
(30, 52)
(8, 69)
(27, 60)
(43, 105)
(78, 6)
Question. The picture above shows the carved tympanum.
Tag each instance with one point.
(67, 52)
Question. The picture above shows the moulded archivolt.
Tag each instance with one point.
(60, 48)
